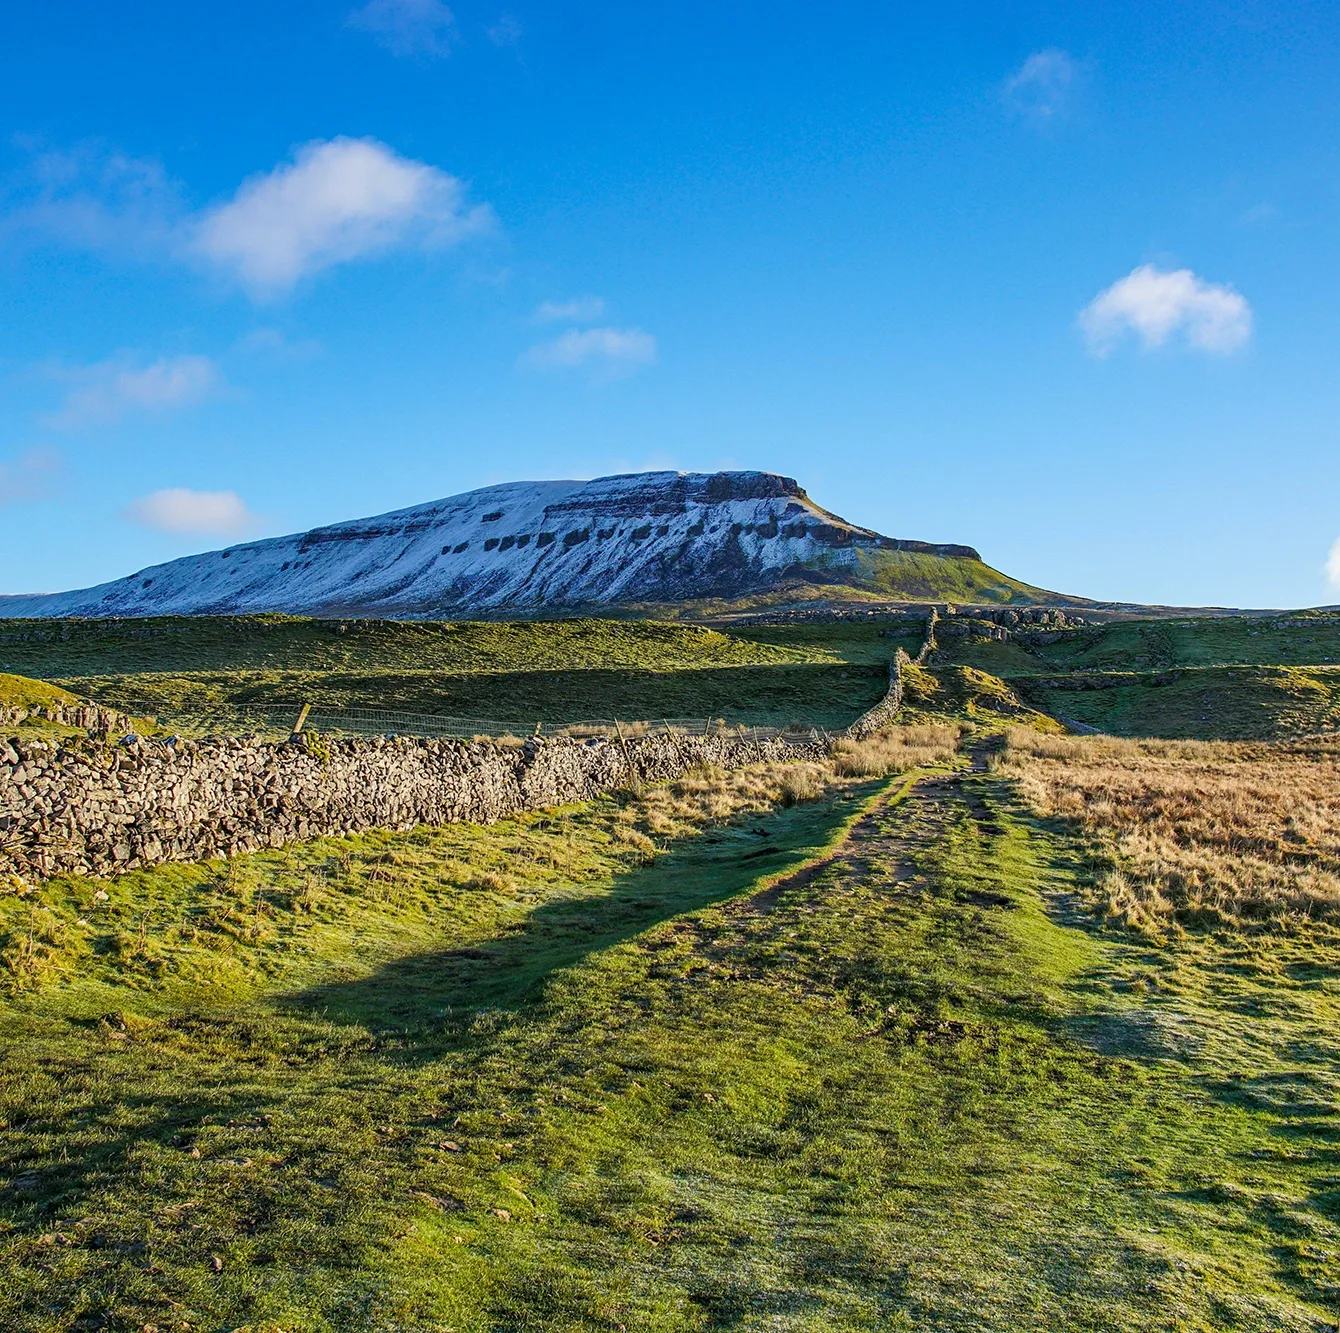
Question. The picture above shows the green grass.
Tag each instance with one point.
(854, 640)
(518, 672)
(1295, 639)
(823, 695)
(1226, 703)
(61, 648)
(921, 577)
(1300, 639)
(1229, 677)
(880, 576)
(1196, 677)
(915, 1087)
(22, 692)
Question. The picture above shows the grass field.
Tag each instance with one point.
(863, 1061)
(1246, 703)
(824, 695)
(1038, 1034)
(62, 648)
(517, 673)
(20, 692)
(1232, 677)
(1299, 639)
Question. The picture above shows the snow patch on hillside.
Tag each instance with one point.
(656, 536)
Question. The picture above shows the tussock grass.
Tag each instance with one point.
(1203, 832)
(897, 750)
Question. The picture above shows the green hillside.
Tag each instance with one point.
(23, 692)
(1235, 677)
(828, 695)
(57, 648)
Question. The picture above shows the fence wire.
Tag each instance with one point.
(278, 720)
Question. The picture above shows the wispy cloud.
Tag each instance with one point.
(1043, 86)
(408, 27)
(277, 344)
(109, 390)
(579, 310)
(1158, 306)
(208, 513)
(95, 198)
(608, 353)
(338, 200)
(335, 201)
(506, 32)
(29, 476)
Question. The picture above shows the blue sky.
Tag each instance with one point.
(1058, 281)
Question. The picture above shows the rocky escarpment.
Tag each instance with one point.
(647, 537)
(83, 807)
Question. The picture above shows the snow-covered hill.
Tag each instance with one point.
(647, 537)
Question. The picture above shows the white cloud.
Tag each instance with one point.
(108, 390)
(336, 200)
(1041, 88)
(29, 476)
(408, 27)
(580, 310)
(339, 199)
(609, 353)
(1333, 564)
(1156, 305)
(213, 513)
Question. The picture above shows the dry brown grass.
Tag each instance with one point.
(707, 794)
(711, 793)
(896, 750)
(1198, 831)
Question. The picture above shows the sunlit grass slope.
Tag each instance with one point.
(830, 696)
(24, 692)
(1297, 639)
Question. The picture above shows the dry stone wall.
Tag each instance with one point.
(88, 808)
(886, 710)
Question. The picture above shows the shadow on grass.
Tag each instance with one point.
(431, 997)
(166, 1080)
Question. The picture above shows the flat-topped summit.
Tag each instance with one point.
(644, 537)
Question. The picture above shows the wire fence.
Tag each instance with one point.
(274, 721)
